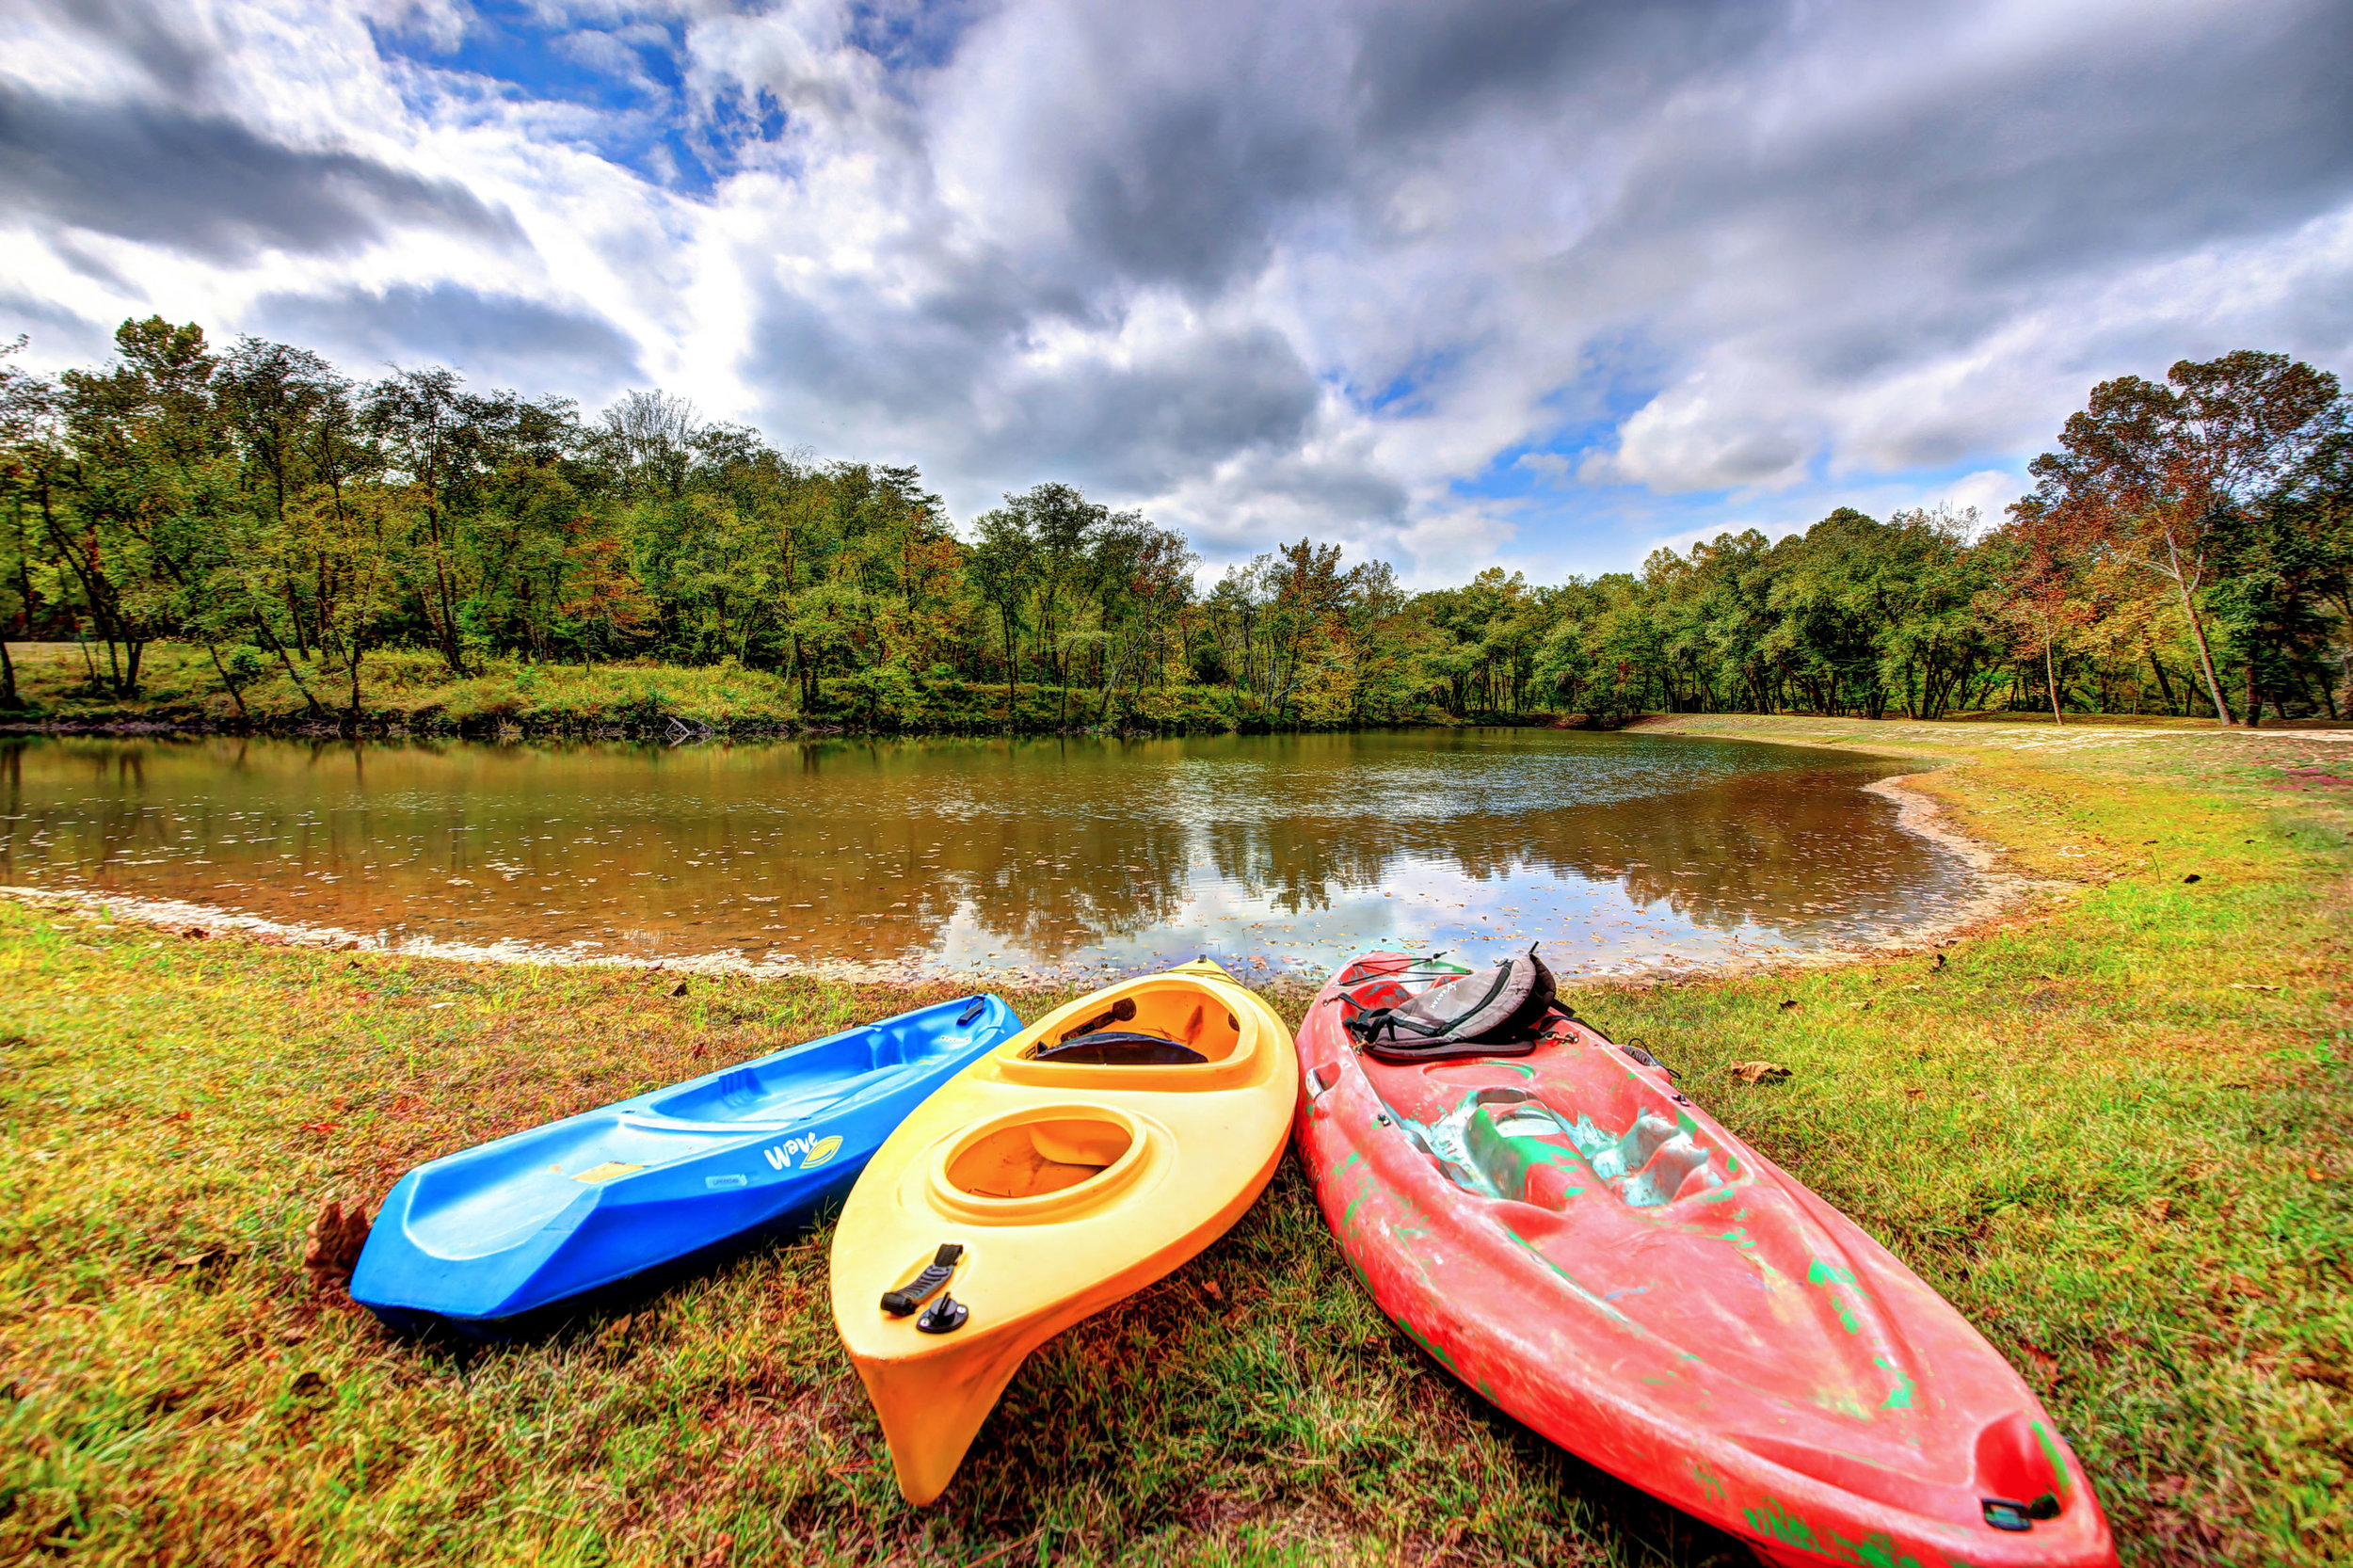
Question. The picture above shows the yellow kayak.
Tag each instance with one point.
(1073, 1165)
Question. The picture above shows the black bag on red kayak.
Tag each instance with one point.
(1492, 1012)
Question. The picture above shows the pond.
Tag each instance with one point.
(1284, 853)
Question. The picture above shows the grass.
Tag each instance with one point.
(411, 691)
(2096, 1127)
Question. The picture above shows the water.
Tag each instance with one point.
(1274, 853)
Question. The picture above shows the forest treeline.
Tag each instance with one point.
(2187, 548)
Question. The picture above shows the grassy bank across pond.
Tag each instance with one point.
(412, 691)
(2115, 1129)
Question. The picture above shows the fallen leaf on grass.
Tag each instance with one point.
(2249, 985)
(330, 1248)
(1786, 1004)
(679, 989)
(1912, 1093)
(2044, 1364)
(1759, 1072)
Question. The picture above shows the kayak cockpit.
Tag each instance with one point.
(502, 1196)
(1509, 1144)
(782, 1087)
(1164, 1031)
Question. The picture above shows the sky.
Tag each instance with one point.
(1451, 282)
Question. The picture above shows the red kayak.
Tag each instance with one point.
(1601, 1260)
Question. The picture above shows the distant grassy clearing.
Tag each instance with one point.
(2097, 1128)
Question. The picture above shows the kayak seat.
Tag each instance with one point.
(764, 1091)
(1525, 1153)
(1155, 1025)
(1110, 1048)
(1034, 1158)
(1509, 1144)
(1653, 1162)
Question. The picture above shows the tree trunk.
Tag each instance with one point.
(2157, 666)
(271, 639)
(234, 695)
(358, 652)
(7, 678)
(2206, 654)
(2049, 679)
(1013, 672)
(2254, 694)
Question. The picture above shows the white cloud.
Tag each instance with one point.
(1263, 271)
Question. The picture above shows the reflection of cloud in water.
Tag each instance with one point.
(1293, 851)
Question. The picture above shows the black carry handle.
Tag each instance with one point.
(1119, 1013)
(979, 1006)
(915, 1293)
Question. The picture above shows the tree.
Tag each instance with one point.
(2035, 595)
(1001, 558)
(2285, 565)
(27, 457)
(2155, 473)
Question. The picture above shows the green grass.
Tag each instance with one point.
(2131, 1173)
(411, 691)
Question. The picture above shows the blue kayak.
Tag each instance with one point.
(486, 1239)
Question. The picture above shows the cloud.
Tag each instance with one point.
(491, 337)
(210, 187)
(1827, 263)
(1448, 280)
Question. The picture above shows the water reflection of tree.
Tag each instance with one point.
(1755, 846)
(1299, 866)
(1752, 846)
(1021, 883)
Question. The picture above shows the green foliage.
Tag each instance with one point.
(258, 506)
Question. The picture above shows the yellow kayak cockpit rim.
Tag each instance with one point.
(1173, 1008)
(1044, 1162)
